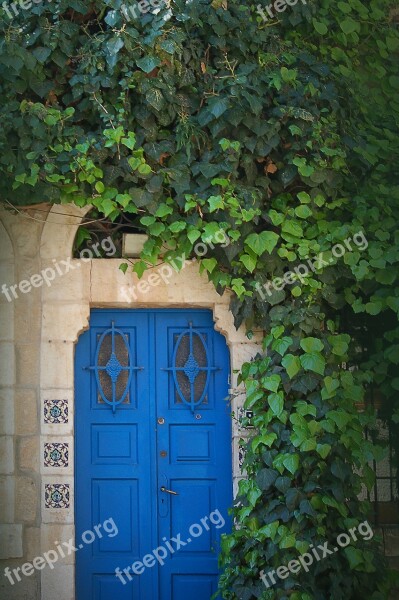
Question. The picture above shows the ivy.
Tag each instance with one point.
(199, 119)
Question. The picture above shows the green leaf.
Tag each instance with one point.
(270, 530)
(291, 463)
(323, 449)
(303, 212)
(304, 198)
(308, 445)
(265, 478)
(144, 169)
(288, 541)
(124, 267)
(263, 242)
(266, 439)
(320, 27)
(330, 387)
(249, 262)
(108, 206)
(156, 229)
(271, 382)
(354, 556)
(281, 345)
(139, 268)
(304, 408)
(349, 26)
(148, 63)
(210, 264)
(215, 202)
(293, 228)
(313, 362)
(177, 226)
(311, 344)
(276, 403)
(339, 343)
(253, 496)
(163, 210)
(193, 235)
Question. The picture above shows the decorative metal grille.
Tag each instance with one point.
(190, 368)
(113, 367)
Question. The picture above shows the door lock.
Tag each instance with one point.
(164, 489)
(161, 421)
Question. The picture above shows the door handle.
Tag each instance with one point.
(164, 489)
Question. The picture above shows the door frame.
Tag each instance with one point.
(66, 305)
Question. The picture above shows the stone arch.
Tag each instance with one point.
(12, 533)
(66, 305)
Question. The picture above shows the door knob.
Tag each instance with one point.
(164, 489)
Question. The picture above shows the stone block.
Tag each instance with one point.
(7, 498)
(7, 364)
(7, 278)
(7, 322)
(26, 589)
(58, 583)
(57, 238)
(26, 236)
(7, 463)
(64, 321)
(159, 287)
(67, 286)
(24, 270)
(6, 248)
(53, 535)
(28, 454)
(32, 545)
(57, 364)
(6, 412)
(27, 359)
(26, 499)
(26, 412)
(10, 541)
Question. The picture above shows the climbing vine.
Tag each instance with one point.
(283, 133)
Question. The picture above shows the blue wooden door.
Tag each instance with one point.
(152, 455)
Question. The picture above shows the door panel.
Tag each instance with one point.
(141, 433)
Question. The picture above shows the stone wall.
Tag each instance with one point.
(20, 325)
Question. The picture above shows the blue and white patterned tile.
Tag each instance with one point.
(56, 454)
(56, 411)
(58, 499)
(57, 495)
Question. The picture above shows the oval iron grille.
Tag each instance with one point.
(113, 368)
(190, 367)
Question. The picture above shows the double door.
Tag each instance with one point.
(152, 455)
